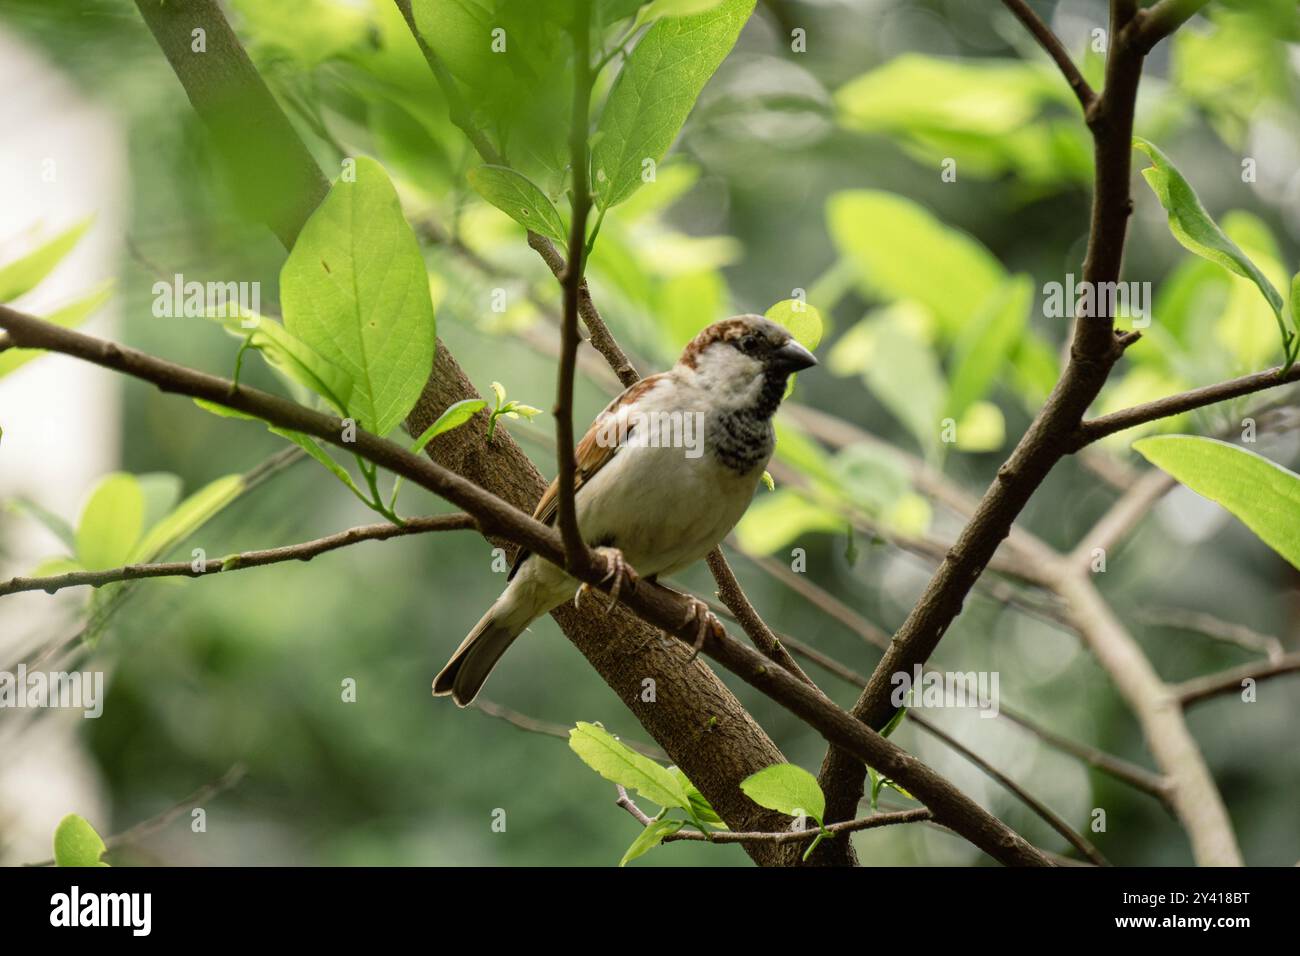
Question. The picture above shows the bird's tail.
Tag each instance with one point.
(473, 661)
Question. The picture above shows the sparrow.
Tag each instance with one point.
(663, 475)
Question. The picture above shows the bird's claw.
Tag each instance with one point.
(617, 568)
(707, 620)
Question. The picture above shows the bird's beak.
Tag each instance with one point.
(792, 357)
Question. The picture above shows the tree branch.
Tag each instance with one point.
(1098, 428)
(1203, 688)
(575, 548)
(1050, 42)
(304, 551)
(1213, 627)
(1155, 23)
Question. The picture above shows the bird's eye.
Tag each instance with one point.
(748, 343)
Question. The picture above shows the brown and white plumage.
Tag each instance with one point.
(658, 506)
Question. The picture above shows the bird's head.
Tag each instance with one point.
(745, 358)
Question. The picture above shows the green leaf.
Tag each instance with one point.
(22, 275)
(902, 251)
(984, 344)
(655, 92)
(519, 198)
(894, 721)
(658, 9)
(991, 116)
(161, 491)
(981, 428)
(187, 517)
(650, 837)
(52, 522)
(69, 316)
(355, 290)
(902, 371)
(618, 763)
(1262, 494)
(787, 788)
(77, 844)
(781, 517)
(457, 414)
(803, 320)
(1195, 230)
(111, 522)
(701, 810)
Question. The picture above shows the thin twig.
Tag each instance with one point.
(226, 781)
(1216, 628)
(303, 551)
(788, 836)
(1097, 428)
(1203, 688)
(550, 729)
(1050, 42)
(734, 600)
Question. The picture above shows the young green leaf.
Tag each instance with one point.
(77, 844)
(1262, 494)
(701, 810)
(456, 414)
(655, 92)
(984, 344)
(519, 198)
(903, 252)
(1195, 230)
(650, 837)
(803, 320)
(187, 517)
(161, 490)
(22, 275)
(355, 290)
(618, 763)
(111, 522)
(779, 518)
(788, 789)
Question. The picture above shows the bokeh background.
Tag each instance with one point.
(247, 668)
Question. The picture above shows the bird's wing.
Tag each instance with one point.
(590, 456)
